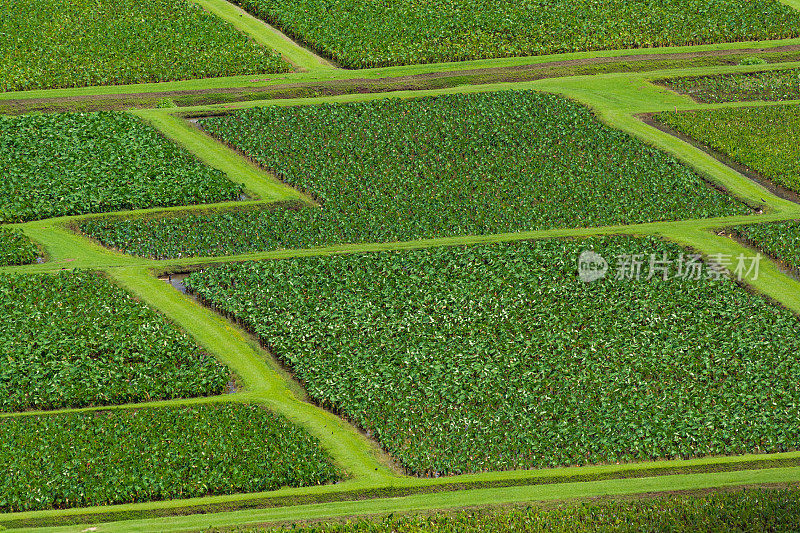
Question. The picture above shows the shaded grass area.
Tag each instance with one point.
(15, 248)
(67, 43)
(762, 139)
(399, 170)
(780, 240)
(743, 510)
(74, 339)
(80, 459)
(74, 163)
(372, 33)
(448, 356)
(771, 85)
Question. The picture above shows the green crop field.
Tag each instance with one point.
(770, 85)
(371, 33)
(81, 459)
(399, 266)
(469, 359)
(15, 248)
(70, 164)
(744, 510)
(778, 239)
(79, 43)
(761, 138)
(392, 170)
(74, 339)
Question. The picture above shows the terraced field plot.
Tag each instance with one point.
(778, 239)
(397, 170)
(761, 510)
(763, 139)
(75, 163)
(369, 33)
(96, 458)
(770, 85)
(75, 339)
(15, 248)
(497, 357)
(78, 43)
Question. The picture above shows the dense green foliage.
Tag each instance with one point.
(451, 165)
(777, 239)
(490, 357)
(761, 138)
(78, 43)
(368, 33)
(769, 85)
(74, 339)
(98, 458)
(16, 248)
(753, 510)
(72, 164)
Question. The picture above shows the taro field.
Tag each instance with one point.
(399, 266)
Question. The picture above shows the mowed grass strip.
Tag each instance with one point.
(780, 240)
(397, 170)
(466, 359)
(763, 139)
(16, 248)
(78, 163)
(370, 33)
(74, 339)
(50, 44)
(770, 85)
(60, 461)
(775, 510)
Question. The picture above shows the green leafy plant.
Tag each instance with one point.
(761, 138)
(99, 458)
(751, 510)
(76, 163)
(771, 85)
(780, 240)
(77, 43)
(370, 33)
(15, 248)
(465, 359)
(74, 339)
(394, 170)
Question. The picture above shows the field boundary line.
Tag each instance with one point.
(265, 34)
(450, 500)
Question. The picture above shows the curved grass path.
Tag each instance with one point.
(616, 98)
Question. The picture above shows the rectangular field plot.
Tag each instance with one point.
(370, 33)
(771, 85)
(396, 170)
(780, 240)
(763, 139)
(775, 510)
(97, 458)
(467, 359)
(74, 339)
(76, 163)
(15, 248)
(77, 43)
